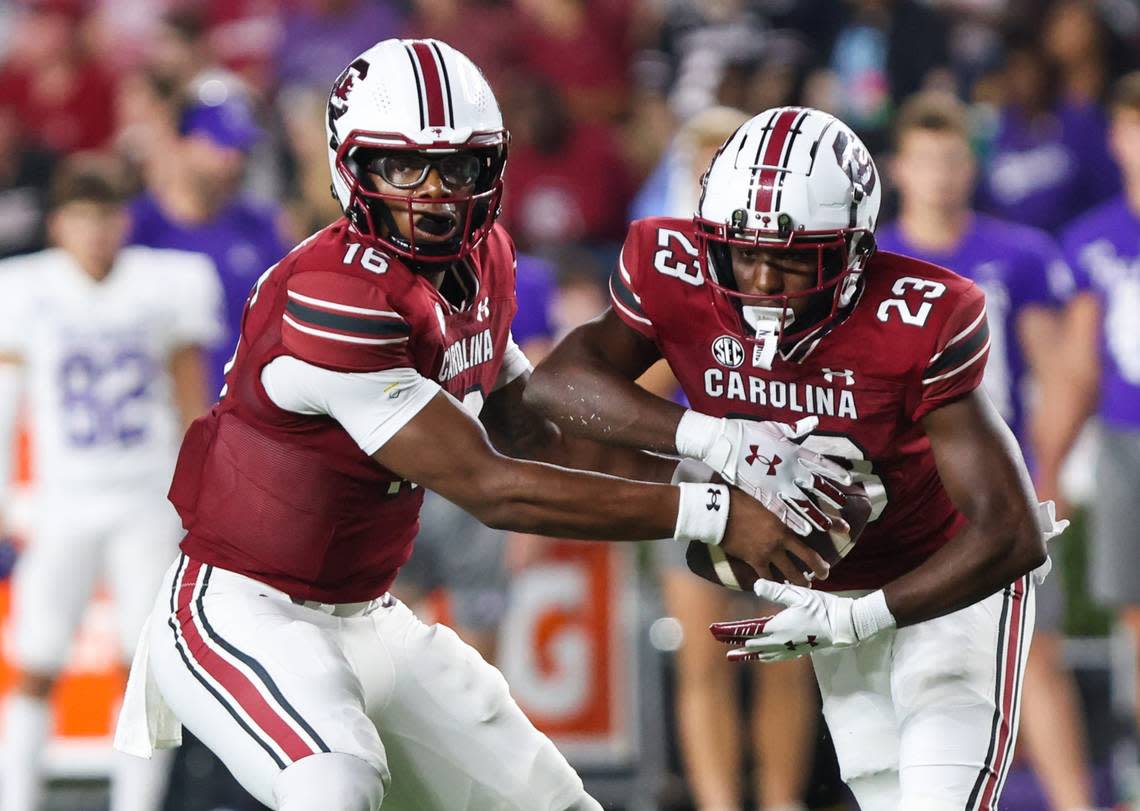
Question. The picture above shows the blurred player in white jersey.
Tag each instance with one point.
(104, 342)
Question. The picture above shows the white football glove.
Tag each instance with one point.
(1050, 528)
(764, 460)
(811, 620)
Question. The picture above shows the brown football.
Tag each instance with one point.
(713, 564)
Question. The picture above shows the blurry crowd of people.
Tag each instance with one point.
(214, 110)
(594, 92)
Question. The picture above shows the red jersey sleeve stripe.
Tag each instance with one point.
(626, 278)
(961, 351)
(963, 362)
(961, 336)
(342, 308)
(356, 325)
(338, 336)
(625, 300)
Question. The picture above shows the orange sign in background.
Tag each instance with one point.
(567, 653)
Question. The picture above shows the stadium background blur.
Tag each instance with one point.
(594, 93)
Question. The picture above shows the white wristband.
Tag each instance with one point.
(700, 436)
(870, 615)
(702, 513)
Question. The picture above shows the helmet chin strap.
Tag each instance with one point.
(770, 324)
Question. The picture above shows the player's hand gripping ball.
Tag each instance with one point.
(846, 501)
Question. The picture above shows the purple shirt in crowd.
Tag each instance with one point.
(1103, 248)
(1017, 267)
(315, 42)
(1047, 175)
(242, 240)
(534, 290)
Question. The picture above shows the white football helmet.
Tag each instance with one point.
(797, 179)
(422, 96)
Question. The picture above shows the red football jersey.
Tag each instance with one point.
(291, 499)
(916, 339)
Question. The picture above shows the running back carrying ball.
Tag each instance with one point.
(714, 564)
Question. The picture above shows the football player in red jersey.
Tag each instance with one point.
(364, 358)
(771, 304)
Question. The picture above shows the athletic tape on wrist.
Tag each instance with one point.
(696, 434)
(708, 439)
(870, 615)
(702, 513)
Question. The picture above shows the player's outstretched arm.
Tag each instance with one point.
(444, 449)
(518, 430)
(586, 386)
(981, 467)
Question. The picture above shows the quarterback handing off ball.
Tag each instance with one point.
(833, 544)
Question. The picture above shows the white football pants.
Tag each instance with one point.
(924, 718)
(265, 682)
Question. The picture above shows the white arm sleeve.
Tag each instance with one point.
(515, 363)
(371, 406)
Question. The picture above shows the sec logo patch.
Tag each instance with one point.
(728, 352)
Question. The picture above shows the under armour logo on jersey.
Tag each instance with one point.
(755, 456)
(483, 310)
(714, 500)
(848, 376)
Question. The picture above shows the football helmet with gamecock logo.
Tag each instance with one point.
(400, 110)
(798, 180)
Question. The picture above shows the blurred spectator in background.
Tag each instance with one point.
(317, 35)
(674, 187)
(308, 205)
(489, 31)
(1084, 50)
(25, 171)
(243, 36)
(179, 53)
(580, 296)
(1048, 161)
(582, 49)
(110, 342)
(1103, 248)
(146, 116)
(567, 181)
(882, 52)
(64, 99)
(193, 202)
(748, 54)
(696, 44)
(1022, 273)
(534, 329)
